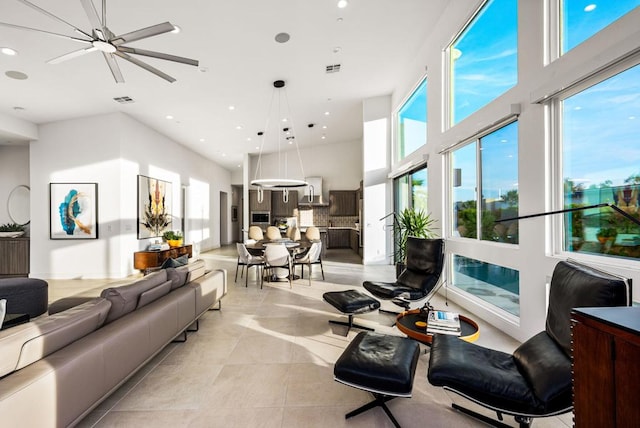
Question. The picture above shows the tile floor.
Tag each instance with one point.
(266, 360)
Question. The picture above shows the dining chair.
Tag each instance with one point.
(277, 256)
(312, 233)
(255, 232)
(273, 233)
(293, 233)
(311, 257)
(245, 258)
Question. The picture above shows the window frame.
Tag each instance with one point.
(554, 114)
(397, 158)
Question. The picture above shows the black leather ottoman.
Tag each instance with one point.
(25, 295)
(382, 364)
(351, 302)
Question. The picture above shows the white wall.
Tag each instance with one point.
(112, 150)
(14, 171)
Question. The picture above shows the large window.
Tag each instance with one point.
(412, 122)
(410, 191)
(495, 157)
(483, 59)
(601, 153)
(582, 19)
(497, 285)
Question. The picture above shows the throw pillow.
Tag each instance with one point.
(3, 310)
(180, 261)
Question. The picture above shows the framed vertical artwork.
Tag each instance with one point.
(154, 207)
(73, 210)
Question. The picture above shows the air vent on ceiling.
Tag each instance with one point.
(334, 68)
(124, 100)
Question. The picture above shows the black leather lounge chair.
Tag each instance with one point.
(421, 278)
(534, 381)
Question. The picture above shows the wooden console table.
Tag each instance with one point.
(145, 260)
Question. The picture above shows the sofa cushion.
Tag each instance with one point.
(32, 341)
(125, 299)
(177, 262)
(195, 270)
(154, 294)
(178, 277)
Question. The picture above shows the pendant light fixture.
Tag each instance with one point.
(282, 180)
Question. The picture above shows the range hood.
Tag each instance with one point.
(315, 186)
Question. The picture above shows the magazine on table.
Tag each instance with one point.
(443, 322)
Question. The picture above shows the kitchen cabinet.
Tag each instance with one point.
(605, 355)
(339, 238)
(254, 205)
(343, 203)
(14, 257)
(354, 240)
(281, 209)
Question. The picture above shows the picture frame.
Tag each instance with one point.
(73, 210)
(155, 201)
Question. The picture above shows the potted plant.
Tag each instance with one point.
(410, 222)
(173, 238)
(606, 234)
(11, 230)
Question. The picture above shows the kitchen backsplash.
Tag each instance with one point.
(322, 218)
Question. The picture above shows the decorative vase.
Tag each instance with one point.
(174, 242)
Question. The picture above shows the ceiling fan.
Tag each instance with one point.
(103, 40)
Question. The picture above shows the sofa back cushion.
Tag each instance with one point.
(177, 276)
(125, 299)
(194, 270)
(27, 343)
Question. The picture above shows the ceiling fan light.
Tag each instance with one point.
(103, 46)
(8, 51)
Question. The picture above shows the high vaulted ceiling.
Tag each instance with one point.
(373, 41)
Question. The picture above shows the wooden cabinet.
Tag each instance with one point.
(606, 373)
(354, 240)
(145, 260)
(343, 203)
(14, 257)
(338, 238)
(281, 209)
(254, 205)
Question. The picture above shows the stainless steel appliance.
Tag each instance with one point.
(261, 217)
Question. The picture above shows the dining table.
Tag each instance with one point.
(294, 247)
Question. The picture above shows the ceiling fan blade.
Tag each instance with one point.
(70, 55)
(94, 19)
(20, 27)
(143, 33)
(113, 65)
(159, 55)
(52, 16)
(145, 66)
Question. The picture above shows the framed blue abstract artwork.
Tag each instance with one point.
(73, 210)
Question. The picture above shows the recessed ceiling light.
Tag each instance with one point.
(342, 4)
(589, 7)
(238, 166)
(324, 126)
(337, 49)
(239, 127)
(8, 51)
(339, 20)
(176, 29)
(224, 155)
(323, 137)
(248, 138)
(232, 107)
(18, 75)
(169, 117)
(326, 113)
(202, 140)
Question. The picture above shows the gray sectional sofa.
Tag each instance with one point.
(55, 369)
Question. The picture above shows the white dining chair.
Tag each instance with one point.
(309, 258)
(277, 256)
(245, 258)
